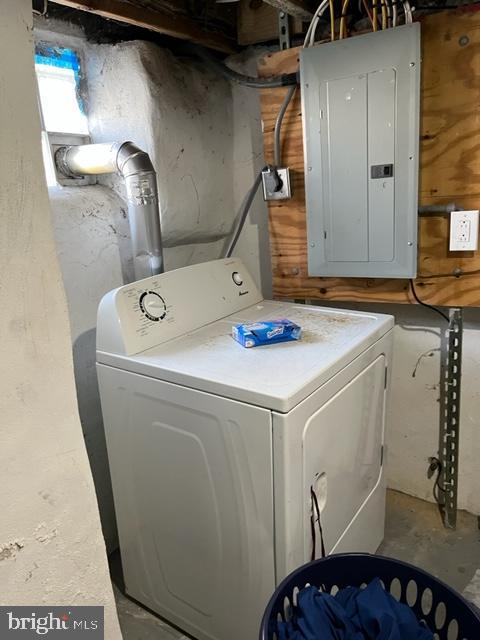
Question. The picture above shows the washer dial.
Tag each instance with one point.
(237, 278)
(153, 306)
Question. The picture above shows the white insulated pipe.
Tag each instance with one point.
(136, 168)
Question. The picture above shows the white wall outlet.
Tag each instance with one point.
(463, 230)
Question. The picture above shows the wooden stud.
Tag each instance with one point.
(259, 23)
(296, 8)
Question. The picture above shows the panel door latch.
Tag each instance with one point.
(378, 171)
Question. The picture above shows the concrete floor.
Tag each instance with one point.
(414, 533)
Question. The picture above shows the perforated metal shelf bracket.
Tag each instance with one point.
(284, 30)
(450, 387)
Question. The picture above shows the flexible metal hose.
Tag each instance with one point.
(277, 155)
(242, 215)
(247, 81)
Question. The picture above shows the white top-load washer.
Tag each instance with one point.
(215, 449)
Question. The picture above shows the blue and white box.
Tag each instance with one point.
(256, 334)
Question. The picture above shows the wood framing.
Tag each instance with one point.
(449, 172)
(259, 23)
(170, 25)
(296, 8)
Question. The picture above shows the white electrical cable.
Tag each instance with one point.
(306, 42)
(307, 35)
(314, 31)
(323, 7)
(43, 11)
(408, 12)
(310, 35)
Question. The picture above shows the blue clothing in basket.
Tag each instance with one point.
(352, 614)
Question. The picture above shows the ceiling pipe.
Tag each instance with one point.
(136, 168)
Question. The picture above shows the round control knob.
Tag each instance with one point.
(153, 306)
(237, 278)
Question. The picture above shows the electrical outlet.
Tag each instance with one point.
(463, 230)
(276, 184)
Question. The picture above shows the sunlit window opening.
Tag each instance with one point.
(58, 75)
(62, 107)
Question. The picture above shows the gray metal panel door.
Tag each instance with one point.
(381, 152)
(360, 102)
(347, 229)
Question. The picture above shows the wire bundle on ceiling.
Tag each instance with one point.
(388, 13)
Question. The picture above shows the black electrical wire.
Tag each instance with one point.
(316, 510)
(449, 275)
(436, 465)
(217, 65)
(313, 534)
(425, 304)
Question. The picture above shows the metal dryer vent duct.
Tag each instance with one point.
(136, 168)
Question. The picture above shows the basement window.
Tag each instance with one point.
(61, 101)
(59, 87)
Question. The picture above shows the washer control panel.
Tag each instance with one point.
(149, 312)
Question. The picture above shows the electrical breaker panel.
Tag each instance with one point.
(360, 105)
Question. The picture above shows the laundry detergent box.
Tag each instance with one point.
(255, 334)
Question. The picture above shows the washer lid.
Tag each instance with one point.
(276, 376)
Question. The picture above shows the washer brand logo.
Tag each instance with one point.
(25, 623)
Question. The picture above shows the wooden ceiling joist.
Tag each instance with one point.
(295, 8)
(170, 25)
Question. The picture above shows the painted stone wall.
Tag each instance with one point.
(413, 415)
(414, 410)
(182, 116)
(94, 250)
(51, 546)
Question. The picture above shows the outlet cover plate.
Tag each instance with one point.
(285, 192)
(463, 230)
